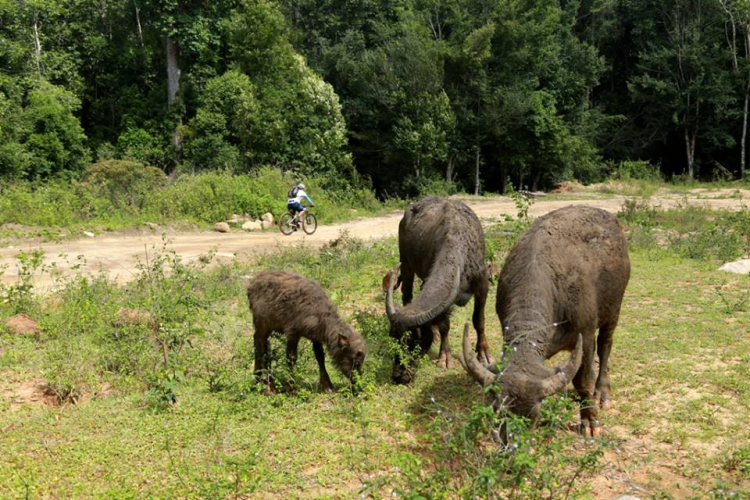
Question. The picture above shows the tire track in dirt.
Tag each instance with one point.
(119, 255)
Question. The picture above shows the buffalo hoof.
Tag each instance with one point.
(603, 399)
(483, 355)
(444, 361)
(592, 428)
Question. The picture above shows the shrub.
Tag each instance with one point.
(637, 170)
(51, 134)
(125, 184)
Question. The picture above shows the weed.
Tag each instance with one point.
(733, 302)
(20, 296)
(466, 460)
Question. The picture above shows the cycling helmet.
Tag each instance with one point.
(301, 186)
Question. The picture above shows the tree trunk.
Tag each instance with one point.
(173, 90)
(37, 47)
(449, 169)
(690, 137)
(138, 22)
(744, 133)
(173, 72)
(535, 181)
(476, 172)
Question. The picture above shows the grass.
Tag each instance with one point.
(61, 209)
(680, 377)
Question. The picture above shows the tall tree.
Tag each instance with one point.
(737, 23)
(679, 77)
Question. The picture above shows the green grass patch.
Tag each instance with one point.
(100, 409)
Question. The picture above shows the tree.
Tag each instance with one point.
(738, 42)
(679, 77)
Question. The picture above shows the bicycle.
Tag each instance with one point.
(309, 224)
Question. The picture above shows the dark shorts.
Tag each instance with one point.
(295, 207)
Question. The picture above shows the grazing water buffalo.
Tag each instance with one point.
(563, 280)
(442, 242)
(298, 307)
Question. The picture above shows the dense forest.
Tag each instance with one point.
(392, 94)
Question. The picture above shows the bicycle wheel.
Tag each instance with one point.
(310, 224)
(285, 224)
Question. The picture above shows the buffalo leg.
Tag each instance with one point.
(603, 348)
(480, 299)
(407, 283)
(291, 357)
(260, 340)
(444, 357)
(325, 380)
(584, 383)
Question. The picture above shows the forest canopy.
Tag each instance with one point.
(392, 94)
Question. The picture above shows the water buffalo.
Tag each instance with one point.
(298, 307)
(442, 242)
(564, 279)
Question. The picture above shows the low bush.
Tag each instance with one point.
(120, 193)
(690, 231)
(636, 170)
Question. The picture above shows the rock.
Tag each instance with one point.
(627, 497)
(89, 234)
(267, 223)
(222, 227)
(268, 216)
(151, 225)
(22, 324)
(737, 267)
(252, 226)
(235, 220)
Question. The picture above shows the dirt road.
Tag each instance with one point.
(119, 255)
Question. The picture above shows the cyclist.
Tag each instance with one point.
(294, 204)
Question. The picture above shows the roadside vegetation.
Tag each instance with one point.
(119, 194)
(98, 407)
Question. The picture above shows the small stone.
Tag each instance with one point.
(252, 225)
(627, 497)
(222, 227)
(151, 225)
(89, 234)
(737, 267)
(268, 216)
(22, 324)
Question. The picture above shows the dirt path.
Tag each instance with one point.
(119, 255)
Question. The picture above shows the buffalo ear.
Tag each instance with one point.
(343, 340)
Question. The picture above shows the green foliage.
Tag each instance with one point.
(123, 183)
(466, 459)
(20, 297)
(636, 170)
(691, 231)
(123, 193)
(137, 144)
(45, 138)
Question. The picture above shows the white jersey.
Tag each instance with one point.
(300, 194)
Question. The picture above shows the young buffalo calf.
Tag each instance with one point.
(298, 307)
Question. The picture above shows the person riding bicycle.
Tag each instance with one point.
(294, 204)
